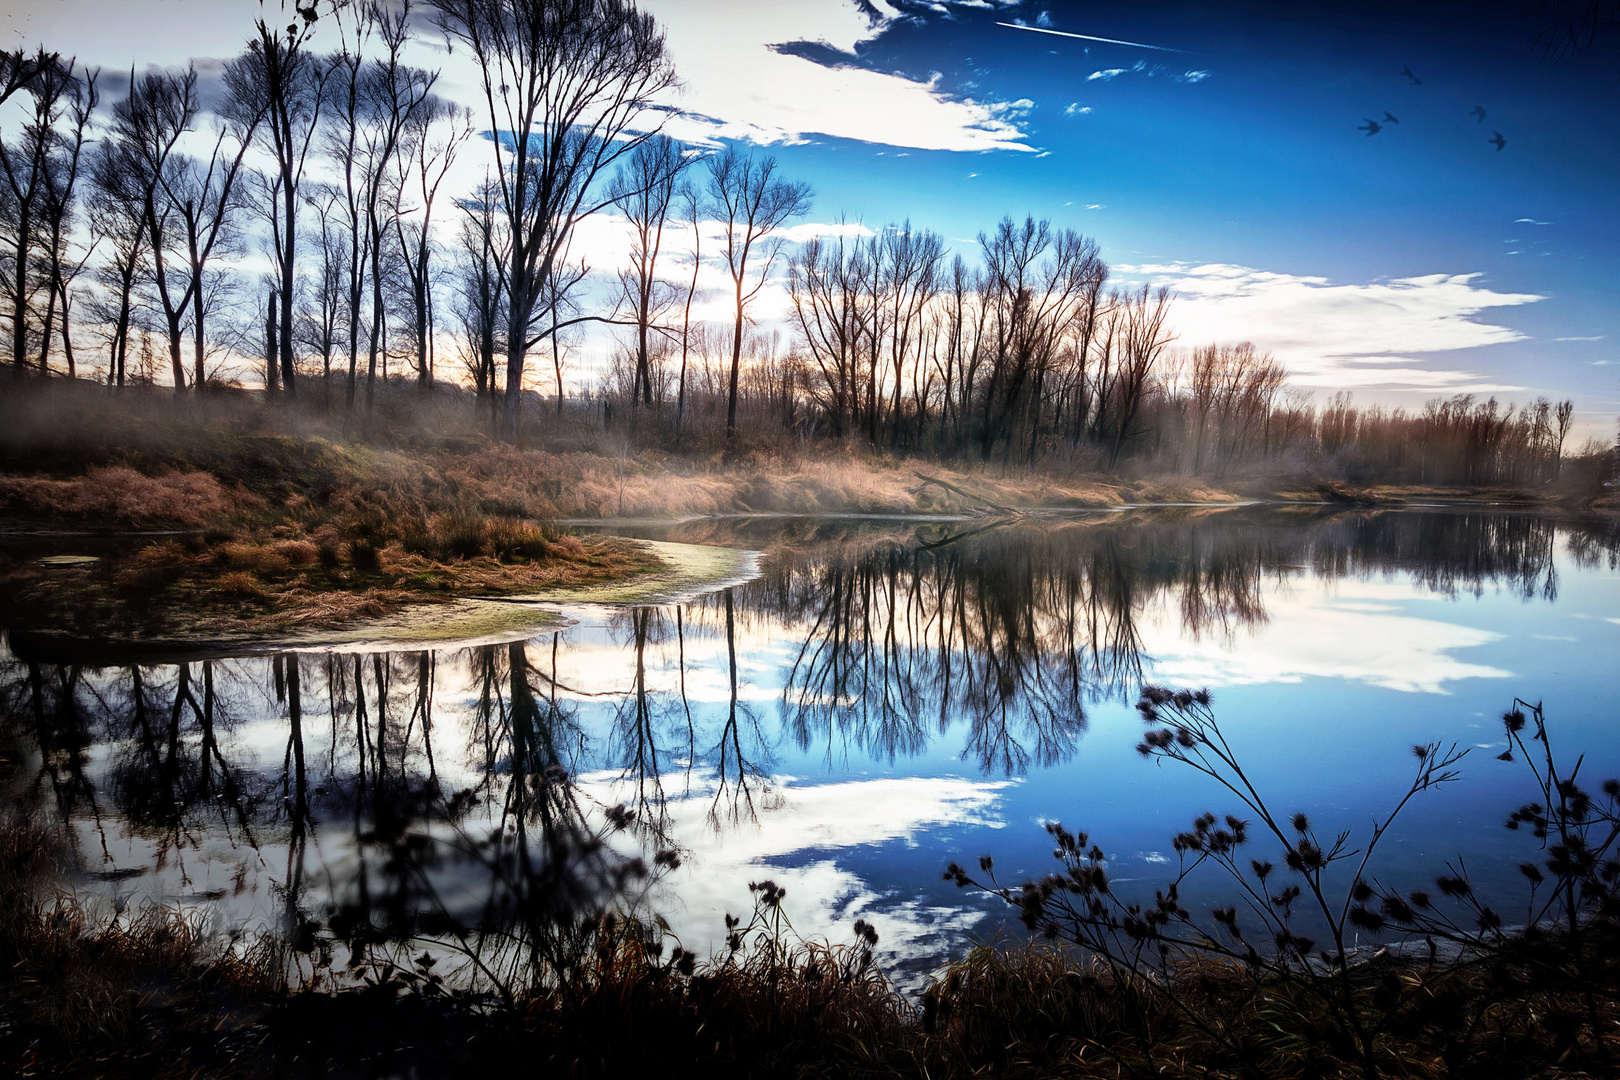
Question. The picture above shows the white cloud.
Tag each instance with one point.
(1341, 335)
(1076, 109)
(809, 230)
(1529, 221)
(1105, 75)
(1192, 76)
(1594, 337)
(738, 84)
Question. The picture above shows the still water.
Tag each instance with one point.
(884, 698)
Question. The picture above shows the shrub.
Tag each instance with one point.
(363, 555)
(252, 557)
(1551, 988)
(296, 552)
(470, 536)
(239, 583)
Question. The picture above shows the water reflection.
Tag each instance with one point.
(494, 798)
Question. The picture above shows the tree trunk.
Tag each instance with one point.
(271, 382)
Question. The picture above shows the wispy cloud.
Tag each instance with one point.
(1594, 337)
(1076, 109)
(1143, 68)
(1529, 221)
(1330, 334)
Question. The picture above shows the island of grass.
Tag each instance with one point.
(332, 546)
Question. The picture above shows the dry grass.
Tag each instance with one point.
(87, 992)
(149, 994)
(120, 496)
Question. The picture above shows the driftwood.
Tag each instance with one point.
(983, 505)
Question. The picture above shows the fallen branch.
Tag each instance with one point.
(948, 486)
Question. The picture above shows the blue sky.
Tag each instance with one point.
(1416, 261)
(1244, 151)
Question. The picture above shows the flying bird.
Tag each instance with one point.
(1389, 117)
(1498, 141)
(1407, 71)
(1478, 112)
(1371, 127)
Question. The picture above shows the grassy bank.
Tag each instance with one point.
(220, 517)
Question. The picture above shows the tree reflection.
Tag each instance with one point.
(437, 796)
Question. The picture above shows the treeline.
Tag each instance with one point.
(129, 230)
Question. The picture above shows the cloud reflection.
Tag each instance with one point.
(802, 839)
(1355, 635)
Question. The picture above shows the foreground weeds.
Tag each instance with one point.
(153, 997)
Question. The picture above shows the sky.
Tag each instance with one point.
(1215, 147)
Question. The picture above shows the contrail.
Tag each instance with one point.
(1088, 37)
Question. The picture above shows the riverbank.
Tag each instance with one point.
(215, 519)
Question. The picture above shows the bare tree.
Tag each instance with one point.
(1563, 417)
(566, 85)
(395, 94)
(206, 194)
(61, 189)
(1146, 335)
(345, 114)
(147, 127)
(692, 204)
(909, 263)
(188, 204)
(828, 308)
(435, 137)
(479, 300)
(278, 78)
(118, 217)
(1036, 283)
(320, 324)
(643, 192)
(19, 71)
(26, 166)
(751, 203)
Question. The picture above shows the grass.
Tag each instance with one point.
(151, 995)
(294, 527)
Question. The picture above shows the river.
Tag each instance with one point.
(884, 698)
